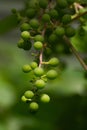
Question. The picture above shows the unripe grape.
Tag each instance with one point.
(52, 38)
(20, 43)
(70, 31)
(33, 106)
(54, 61)
(62, 3)
(26, 68)
(40, 83)
(59, 31)
(66, 18)
(51, 74)
(43, 3)
(34, 23)
(38, 71)
(31, 12)
(27, 45)
(33, 65)
(25, 35)
(38, 45)
(39, 38)
(25, 27)
(23, 98)
(46, 18)
(29, 94)
(45, 98)
(53, 14)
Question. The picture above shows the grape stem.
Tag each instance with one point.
(75, 52)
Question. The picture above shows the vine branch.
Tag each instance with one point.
(75, 52)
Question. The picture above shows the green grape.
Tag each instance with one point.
(54, 61)
(25, 27)
(51, 74)
(23, 98)
(33, 106)
(43, 3)
(39, 38)
(38, 71)
(31, 12)
(20, 43)
(70, 31)
(45, 98)
(59, 31)
(66, 18)
(25, 35)
(62, 3)
(26, 68)
(40, 83)
(46, 18)
(33, 65)
(52, 38)
(34, 23)
(29, 94)
(14, 11)
(53, 14)
(38, 45)
(27, 45)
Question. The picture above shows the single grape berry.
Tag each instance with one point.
(26, 68)
(38, 71)
(70, 31)
(59, 31)
(54, 61)
(62, 3)
(27, 45)
(25, 27)
(39, 38)
(31, 12)
(29, 94)
(43, 3)
(23, 98)
(53, 14)
(51, 74)
(33, 106)
(46, 18)
(66, 18)
(20, 43)
(45, 98)
(34, 65)
(25, 35)
(38, 45)
(52, 38)
(40, 83)
(34, 23)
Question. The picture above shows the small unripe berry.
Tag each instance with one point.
(53, 61)
(59, 31)
(29, 94)
(33, 106)
(38, 45)
(70, 31)
(26, 68)
(39, 38)
(38, 71)
(45, 98)
(20, 43)
(25, 35)
(53, 14)
(23, 98)
(52, 38)
(27, 45)
(33, 65)
(31, 13)
(40, 83)
(25, 27)
(51, 74)
(62, 3)
(34, 23)
(43, 3)
(66, 18)
(46, 18)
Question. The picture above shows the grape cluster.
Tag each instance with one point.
(43, 24)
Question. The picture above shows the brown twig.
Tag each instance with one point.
(75, 52)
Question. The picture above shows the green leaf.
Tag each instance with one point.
(8, 23)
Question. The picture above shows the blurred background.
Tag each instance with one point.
(68, 107)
